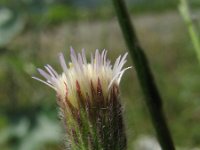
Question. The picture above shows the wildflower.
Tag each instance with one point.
(88, 97)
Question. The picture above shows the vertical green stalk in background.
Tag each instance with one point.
(152, 96)
(184, 10)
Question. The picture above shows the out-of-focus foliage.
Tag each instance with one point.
(21, 137)
(32, 32)
(10, 25)
(184, 9)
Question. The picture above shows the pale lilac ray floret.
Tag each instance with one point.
(82, 72)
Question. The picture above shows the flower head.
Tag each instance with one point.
(88, 95)
(80, 74)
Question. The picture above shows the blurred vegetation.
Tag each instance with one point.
(32, 32)
(184, 9)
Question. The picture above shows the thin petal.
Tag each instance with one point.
(121, 73)
(62, 62)
(54, 72)
(44, 82)
(44, 74)
(84, 57)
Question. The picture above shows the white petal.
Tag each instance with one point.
(104, 60)
(92, 59)
(116, 64)
(80, 62)
(44, 82)
(84, 57)
(62, 62)
(121, 63)
(44, 74)
(121, 73)
(49, 71)
(54, 72)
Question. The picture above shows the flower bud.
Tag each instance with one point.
(89, 100)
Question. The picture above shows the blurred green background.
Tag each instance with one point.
(32, 32)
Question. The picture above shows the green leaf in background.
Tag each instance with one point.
(26, 138)
(10, 25)
(47, 131)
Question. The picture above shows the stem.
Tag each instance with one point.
(152, 97)
(184, 10)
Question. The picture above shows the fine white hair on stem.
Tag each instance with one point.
(80, 70)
